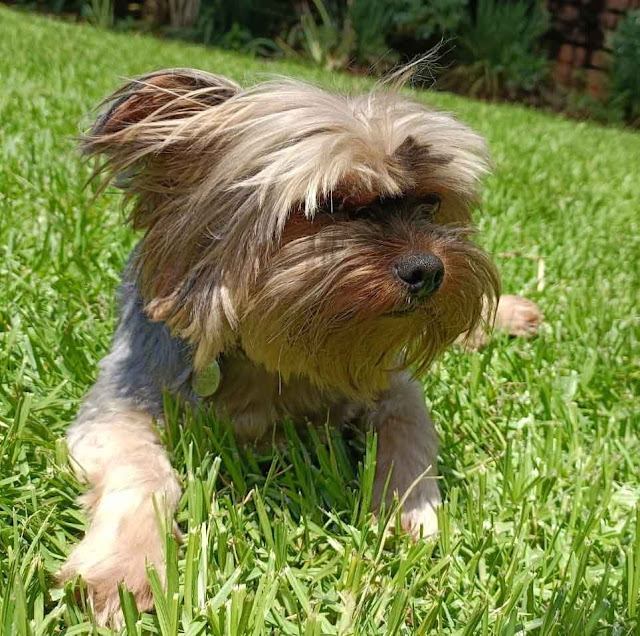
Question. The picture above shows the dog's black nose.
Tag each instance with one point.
(421, 273)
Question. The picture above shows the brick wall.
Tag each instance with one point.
(580, 40)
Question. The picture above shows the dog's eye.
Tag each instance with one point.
(429, 205)
(362, 214)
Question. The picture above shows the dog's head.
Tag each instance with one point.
(325, 235)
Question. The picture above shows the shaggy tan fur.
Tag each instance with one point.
(216, 171)
(273, 219)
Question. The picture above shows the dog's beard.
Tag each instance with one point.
(327, 305)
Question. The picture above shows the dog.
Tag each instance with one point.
(305, 255)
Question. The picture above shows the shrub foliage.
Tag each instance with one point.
(491, 49)
(626, 66)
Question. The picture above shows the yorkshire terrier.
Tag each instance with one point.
(305, 255)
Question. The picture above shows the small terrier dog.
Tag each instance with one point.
(302, 251)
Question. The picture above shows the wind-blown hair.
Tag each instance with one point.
(251, 202)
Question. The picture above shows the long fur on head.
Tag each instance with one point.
(236, 191)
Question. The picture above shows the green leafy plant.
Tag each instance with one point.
(334, 37)
(231, 25)
(626, 66)
(183, 13)
(99, 13)
(325, 41)
(372, 22)
(424, 20)
(610, 111)
(499, 50)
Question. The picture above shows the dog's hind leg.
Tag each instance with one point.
(515, 316)
(131, 484)
(518, 316)
(408, 447)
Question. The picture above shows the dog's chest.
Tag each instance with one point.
(256, 400)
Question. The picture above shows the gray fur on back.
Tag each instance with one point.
(144, 359)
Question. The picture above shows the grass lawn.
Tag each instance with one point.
(540, 453)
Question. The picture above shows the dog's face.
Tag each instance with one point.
(325, 235)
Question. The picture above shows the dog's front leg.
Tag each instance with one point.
(116, 449)
(408, 447)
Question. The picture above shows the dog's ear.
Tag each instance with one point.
(148, 138)
(164, 95)
(139, 127)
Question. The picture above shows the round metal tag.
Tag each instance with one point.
(207, 381)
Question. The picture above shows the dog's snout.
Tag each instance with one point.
(421, 273)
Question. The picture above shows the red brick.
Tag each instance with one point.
(601, 59)
(597, 83)
(618, 5)
(608, 20)
(577, 35)
(579, 56)
(565, 54)
(569, 13)
(563, 73)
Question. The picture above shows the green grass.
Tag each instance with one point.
(540, 453)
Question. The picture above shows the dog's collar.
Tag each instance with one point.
(207, 381)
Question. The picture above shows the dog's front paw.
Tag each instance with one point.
(420, 521)
(419, 512)
(102, 566)
(518, 316)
